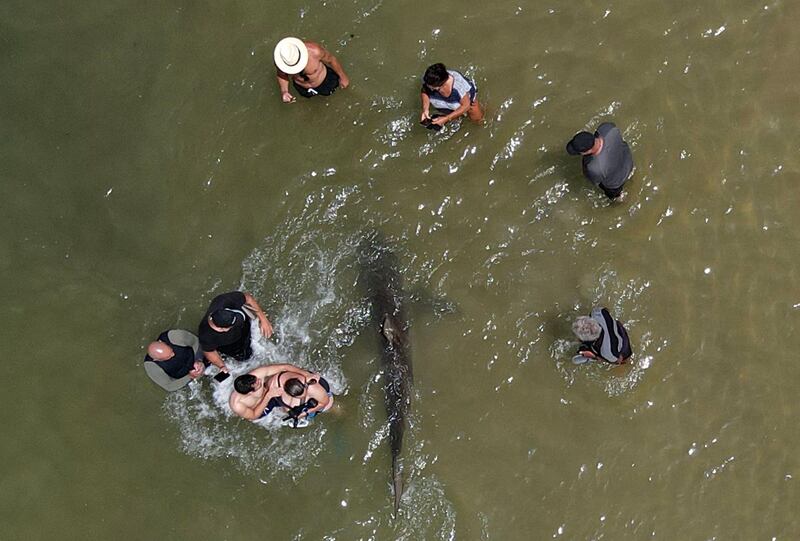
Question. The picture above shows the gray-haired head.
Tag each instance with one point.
(586, 329)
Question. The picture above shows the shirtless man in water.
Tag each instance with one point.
(312, 69)
(258, 392)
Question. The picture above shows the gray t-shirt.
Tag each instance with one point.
(614, 164)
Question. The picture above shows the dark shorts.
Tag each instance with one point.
(328, 86)
(612, 193)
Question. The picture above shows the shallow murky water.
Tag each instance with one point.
(149, 165)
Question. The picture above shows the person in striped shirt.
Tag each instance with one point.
(450, 92)
(602, 337)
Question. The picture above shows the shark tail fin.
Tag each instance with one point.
(397, 482)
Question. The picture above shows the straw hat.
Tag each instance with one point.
(291, 55)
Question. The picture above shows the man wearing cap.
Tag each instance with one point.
(607, 160)
(312, 68)
(226, 327)
(174, 359)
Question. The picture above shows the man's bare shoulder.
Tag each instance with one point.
(315, 49)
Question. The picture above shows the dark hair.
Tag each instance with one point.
(244, 383)
(435, 75)
(294, 387)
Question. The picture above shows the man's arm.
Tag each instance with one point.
(197, 371)
(271, 369)
(426, 106)
(594, 177)
(251, 303)
(216, 359)
(246, 412)
(326, 57)
(462, 108)
(283, 84)
(318, 393)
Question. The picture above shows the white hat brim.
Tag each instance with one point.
(287, 44)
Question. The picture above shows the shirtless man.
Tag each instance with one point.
(258, 392)
(312, 69)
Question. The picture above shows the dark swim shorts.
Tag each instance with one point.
(328, 86)
(611, 193)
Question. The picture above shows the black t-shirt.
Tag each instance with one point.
(180, 364)
(211, 340)
(614, 164)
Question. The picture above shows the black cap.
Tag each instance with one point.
(225, 317)
(582, 142)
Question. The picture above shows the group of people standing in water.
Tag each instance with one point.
(605, 156)
(315, 71)
(178, 356)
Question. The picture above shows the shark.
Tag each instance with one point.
(384, 289)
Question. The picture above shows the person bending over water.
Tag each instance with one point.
(602, 337)
(312, 69)
(225, 328)
(448, 90)
(258, 392)
(174, 359)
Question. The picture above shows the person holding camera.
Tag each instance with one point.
(259, 391)
(449, 92)
(304, 396)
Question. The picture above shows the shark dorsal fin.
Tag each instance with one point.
(388, 329)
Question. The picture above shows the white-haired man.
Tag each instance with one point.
(313, 69)
(602, 337)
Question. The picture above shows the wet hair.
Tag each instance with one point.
(294, 387)
(435, 75)
(244, 383)
(586, 329)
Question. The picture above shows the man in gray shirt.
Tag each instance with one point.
(607, 160)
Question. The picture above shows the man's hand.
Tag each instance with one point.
(198, 370)
(287, 97)
(426, 115)
(265, 326)
(344, 81)
(441, 121)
